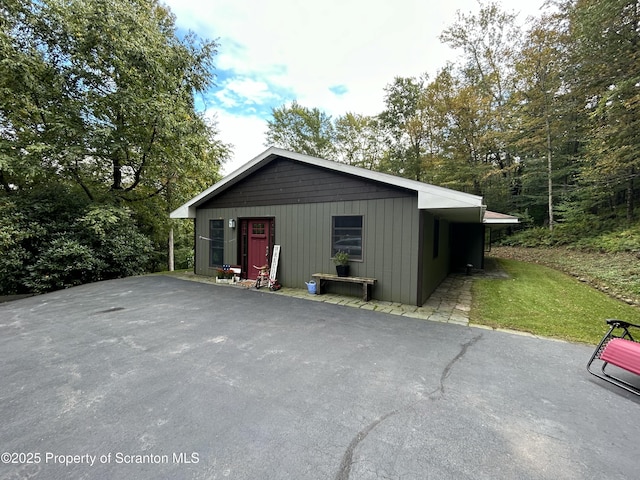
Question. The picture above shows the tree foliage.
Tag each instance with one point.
(406, 119)
(543, 126)
(301, 129)
(607, 50)
(54, 238)
(98, 96)
(101, 94)
(359, 141)
(542, 120)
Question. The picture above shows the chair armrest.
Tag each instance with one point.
(624, 326)
(621, 323)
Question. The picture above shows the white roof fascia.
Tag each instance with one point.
(501, 221)
(496, 218)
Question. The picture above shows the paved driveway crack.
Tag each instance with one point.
(347, 459)
(457, 358)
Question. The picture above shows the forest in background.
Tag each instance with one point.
(100, 138)
(543, 121)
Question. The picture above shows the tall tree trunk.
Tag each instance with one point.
(549, 171)
(117, 174)
(630, 203)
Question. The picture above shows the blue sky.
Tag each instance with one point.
(336, 55)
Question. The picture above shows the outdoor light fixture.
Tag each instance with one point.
(232, 223)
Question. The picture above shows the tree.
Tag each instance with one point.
(606, 42)
(405, 119)
(303, 130)
(359, 140)
(97, 96)
(100, 93)
(469, 158)
(488, 42)
(540, 120)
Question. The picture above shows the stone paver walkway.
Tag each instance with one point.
(450, 303)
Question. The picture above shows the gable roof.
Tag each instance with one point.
(443, 202)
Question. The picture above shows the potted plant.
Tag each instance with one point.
(224, 275)
(341, 259)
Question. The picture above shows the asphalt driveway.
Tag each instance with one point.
(155, 377)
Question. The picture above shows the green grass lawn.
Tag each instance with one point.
(547, 302)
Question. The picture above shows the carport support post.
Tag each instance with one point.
(171, 264)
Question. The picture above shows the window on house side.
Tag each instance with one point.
(216, 243)
(346, 235)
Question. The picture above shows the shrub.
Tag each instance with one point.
(115, 241)
(623, 240)
(65, 263)
(184, 258)
(616, 240)
(52, 238)
(13, 255)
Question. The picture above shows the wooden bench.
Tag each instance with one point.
(367, 283)
(618, 348)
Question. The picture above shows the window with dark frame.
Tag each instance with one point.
(346, 235)
(216, 243)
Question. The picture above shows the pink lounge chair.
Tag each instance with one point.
(618, 354)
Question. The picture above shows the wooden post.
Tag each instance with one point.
(171, 264)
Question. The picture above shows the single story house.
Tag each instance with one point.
(406, 234)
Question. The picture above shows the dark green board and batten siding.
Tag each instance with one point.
(393, 229)
(284, 182)
(434, 268)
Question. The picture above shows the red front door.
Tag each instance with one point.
(257, 234)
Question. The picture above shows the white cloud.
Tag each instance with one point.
(280, 50)
(244, 91)
(226, 99)
(254, 91)
(244, 133)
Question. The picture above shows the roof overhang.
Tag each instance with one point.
(495, 219)
(451, 205)
(443, 202)
(459, 215)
